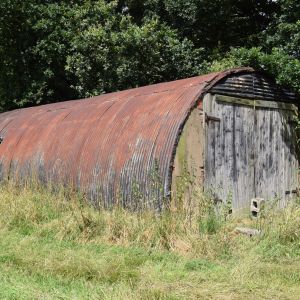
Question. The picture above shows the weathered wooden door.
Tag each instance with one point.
(276, 155)
(250, 150)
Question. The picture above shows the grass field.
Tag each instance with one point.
(54, 246)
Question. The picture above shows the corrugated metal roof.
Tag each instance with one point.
(117, 147)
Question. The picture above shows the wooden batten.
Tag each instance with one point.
(257, 103)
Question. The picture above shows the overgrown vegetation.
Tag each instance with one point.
(59, 50)
(54, 245)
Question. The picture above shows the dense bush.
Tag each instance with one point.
(59, 50)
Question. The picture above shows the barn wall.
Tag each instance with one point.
(250, 150)
(228, 153)
(187, 177)
(118, 147)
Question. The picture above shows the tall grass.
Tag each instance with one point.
(197, 232)
(55, 242)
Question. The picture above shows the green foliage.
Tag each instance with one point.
(200, 264)
(211, 24)
(282, 66)
(121, 54)
(209, 223)
(284, 32)
(278, 52)
(59, 50)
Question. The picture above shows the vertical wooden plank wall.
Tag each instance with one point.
(276, 155)
(229, 160)
(250, 151)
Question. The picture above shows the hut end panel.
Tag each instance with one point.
(188, 166)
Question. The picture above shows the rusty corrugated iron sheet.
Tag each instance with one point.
(116, 147)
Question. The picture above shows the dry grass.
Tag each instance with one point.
(54, 245)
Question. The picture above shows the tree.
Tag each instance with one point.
(279, 54)
(122, 55)
(284, 32)
(215, 25)
(59, 50)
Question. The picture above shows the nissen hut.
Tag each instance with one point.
(230, 134)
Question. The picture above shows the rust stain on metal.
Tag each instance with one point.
(115, 147)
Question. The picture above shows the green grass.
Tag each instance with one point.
(54, 246)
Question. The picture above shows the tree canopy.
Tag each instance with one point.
(59, 50)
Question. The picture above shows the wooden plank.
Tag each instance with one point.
(275, 105)
(276, 155)
(234, 100)
(243, 155)
(265, 171)
(257, 103)
(229, 151)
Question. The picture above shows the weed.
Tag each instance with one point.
(53, 244)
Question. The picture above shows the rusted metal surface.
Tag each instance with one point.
(117, 147)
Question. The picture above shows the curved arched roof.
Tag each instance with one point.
(116, 147)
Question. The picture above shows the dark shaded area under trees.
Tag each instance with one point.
(59, 50)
